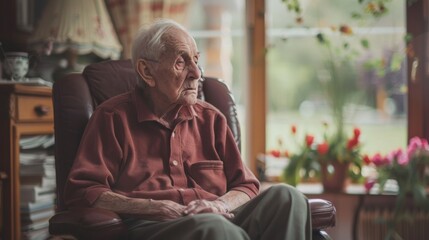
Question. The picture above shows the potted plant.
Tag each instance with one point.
(331, 158)
(409, 169)
(337, 155)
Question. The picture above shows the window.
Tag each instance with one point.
(295, 73)
(219, 30)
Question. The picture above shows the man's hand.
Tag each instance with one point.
(205, 206)
(163, 210)
(157, 210)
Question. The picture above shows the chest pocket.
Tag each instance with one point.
(209, 175)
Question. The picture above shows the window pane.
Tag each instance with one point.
(375, 79)
(219, 30)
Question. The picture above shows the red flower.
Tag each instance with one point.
(366, 159)
(309, 139)
(380, 160)
(353, 142)
(275, 153)
(293, 129)
(356, 133)
(323, 148)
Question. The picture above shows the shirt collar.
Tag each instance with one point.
(144, 113)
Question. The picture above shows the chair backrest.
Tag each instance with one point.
(77, 95)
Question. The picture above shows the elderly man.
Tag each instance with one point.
(168, 162)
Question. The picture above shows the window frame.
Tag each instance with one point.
(418, 102)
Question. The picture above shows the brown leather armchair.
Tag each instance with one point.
(75, 96)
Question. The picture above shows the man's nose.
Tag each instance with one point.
(194, 71)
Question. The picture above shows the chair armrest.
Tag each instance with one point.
(96, 223)
(322, 214)
(87, 223)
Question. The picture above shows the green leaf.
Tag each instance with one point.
(321, 38)
(365, 43)
(408, 37)
(356, 15)
(291, 172)
(419, 194)
(395, 64)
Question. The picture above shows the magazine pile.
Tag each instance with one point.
(37, 176)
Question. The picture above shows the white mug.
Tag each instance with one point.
(16, 65)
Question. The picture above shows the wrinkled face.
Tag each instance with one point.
(176, 74)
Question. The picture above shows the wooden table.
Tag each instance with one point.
(24, 110)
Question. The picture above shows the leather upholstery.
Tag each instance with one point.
(87, 223)
(74, 98)
(73, 106)
(108, 79)
(322, 213)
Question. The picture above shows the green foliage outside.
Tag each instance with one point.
(296, 68)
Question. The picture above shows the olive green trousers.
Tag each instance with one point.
(280, 212)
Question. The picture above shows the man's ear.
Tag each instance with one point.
(144, 72)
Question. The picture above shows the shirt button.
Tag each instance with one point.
(175, 162)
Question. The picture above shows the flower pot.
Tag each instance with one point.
(334, 176)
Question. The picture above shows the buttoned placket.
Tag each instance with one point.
(177, 172)
(176, 161)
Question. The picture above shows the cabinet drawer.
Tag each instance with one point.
(30, 108)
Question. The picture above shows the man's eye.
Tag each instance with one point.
(180, 64)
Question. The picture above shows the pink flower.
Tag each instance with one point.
(398, 156)
(379, 160)
(403, 159)
(417, 144)
(369, 183)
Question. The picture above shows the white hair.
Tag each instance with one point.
(149, 42)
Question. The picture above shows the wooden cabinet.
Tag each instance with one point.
(24, 110)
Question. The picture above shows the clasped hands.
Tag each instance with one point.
(204, 206)
(171, 210)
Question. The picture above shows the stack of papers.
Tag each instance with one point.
(38, 188)
(28, 81)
